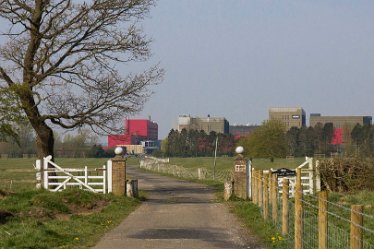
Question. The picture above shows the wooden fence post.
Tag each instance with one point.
(270, 186)
(254, 188)
(257, 187)
(260, 189)
(285, 197)
(266, 197)
(274, 197)
(322, 220)
(298, 211)
(357, 223)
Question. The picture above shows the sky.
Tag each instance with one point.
(237, 58)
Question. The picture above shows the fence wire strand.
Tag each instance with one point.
(338, 225)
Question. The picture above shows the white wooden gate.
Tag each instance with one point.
(310, 178)
(57, 178)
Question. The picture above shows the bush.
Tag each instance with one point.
(347, 174)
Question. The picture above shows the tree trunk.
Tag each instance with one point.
(44, 141)
(44, 134)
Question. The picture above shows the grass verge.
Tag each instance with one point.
(69, 219)
(250, 215)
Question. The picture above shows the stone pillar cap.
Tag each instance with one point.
(239, 149)
(118, 151)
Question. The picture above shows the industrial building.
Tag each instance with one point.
(138, 132)
(288, 116)
(343, 125)
(339, 121)
(207, 124)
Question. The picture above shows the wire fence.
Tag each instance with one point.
(307, 221)
(311, 221)
(163, 166)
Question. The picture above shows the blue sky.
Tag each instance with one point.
(237, 58)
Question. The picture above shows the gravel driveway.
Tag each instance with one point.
(177, 214)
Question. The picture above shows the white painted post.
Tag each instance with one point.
(38, 174)
(311, 176)
(129, 189)
(110, 188)
(249, 179)
(45, 172)
(227, 192)
(318, 177)
(104, 179)
(85, 175)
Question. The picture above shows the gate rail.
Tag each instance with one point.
(56, 178)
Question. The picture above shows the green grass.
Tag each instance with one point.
(23, 176)
(18, 174)
(35, 225)
(36, 222)
(250, 215)
(343, 204)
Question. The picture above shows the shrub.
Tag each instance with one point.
(347, 174)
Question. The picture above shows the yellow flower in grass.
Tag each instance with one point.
(276, 238)
(76, 238)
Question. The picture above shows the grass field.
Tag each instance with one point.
(224, 163)
(42, 219)
(19, 173)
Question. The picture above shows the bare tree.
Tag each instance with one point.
(60, 63)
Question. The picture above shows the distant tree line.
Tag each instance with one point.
(18, 143)
(271, 140)
(194, 143)
(80, 144)
(307, 141)
(358, 141)
(362, 141)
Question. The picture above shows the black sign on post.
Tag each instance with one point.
(285, 172)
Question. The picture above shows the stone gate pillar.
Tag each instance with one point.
(241, 173)
(119, 173)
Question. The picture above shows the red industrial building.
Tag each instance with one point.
(136, 131)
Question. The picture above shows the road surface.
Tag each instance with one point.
(177, 215)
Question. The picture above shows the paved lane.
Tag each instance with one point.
(177, 214)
